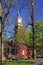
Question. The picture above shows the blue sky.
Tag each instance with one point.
(38, 14)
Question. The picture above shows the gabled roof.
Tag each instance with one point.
(22, 46)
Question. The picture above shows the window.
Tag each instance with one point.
(22, 52)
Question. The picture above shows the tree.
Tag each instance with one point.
(22, 36)
(31, 12)
(0, 33)
(39, 34)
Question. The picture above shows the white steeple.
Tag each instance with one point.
(19, 20)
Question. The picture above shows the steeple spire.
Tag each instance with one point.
(18, 23)
(19, 14)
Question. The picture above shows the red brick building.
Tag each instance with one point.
(22, 50)
(17, 49)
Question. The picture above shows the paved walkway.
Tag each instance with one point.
(34, 60)
(39, 62)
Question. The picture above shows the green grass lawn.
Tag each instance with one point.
(16, 62)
